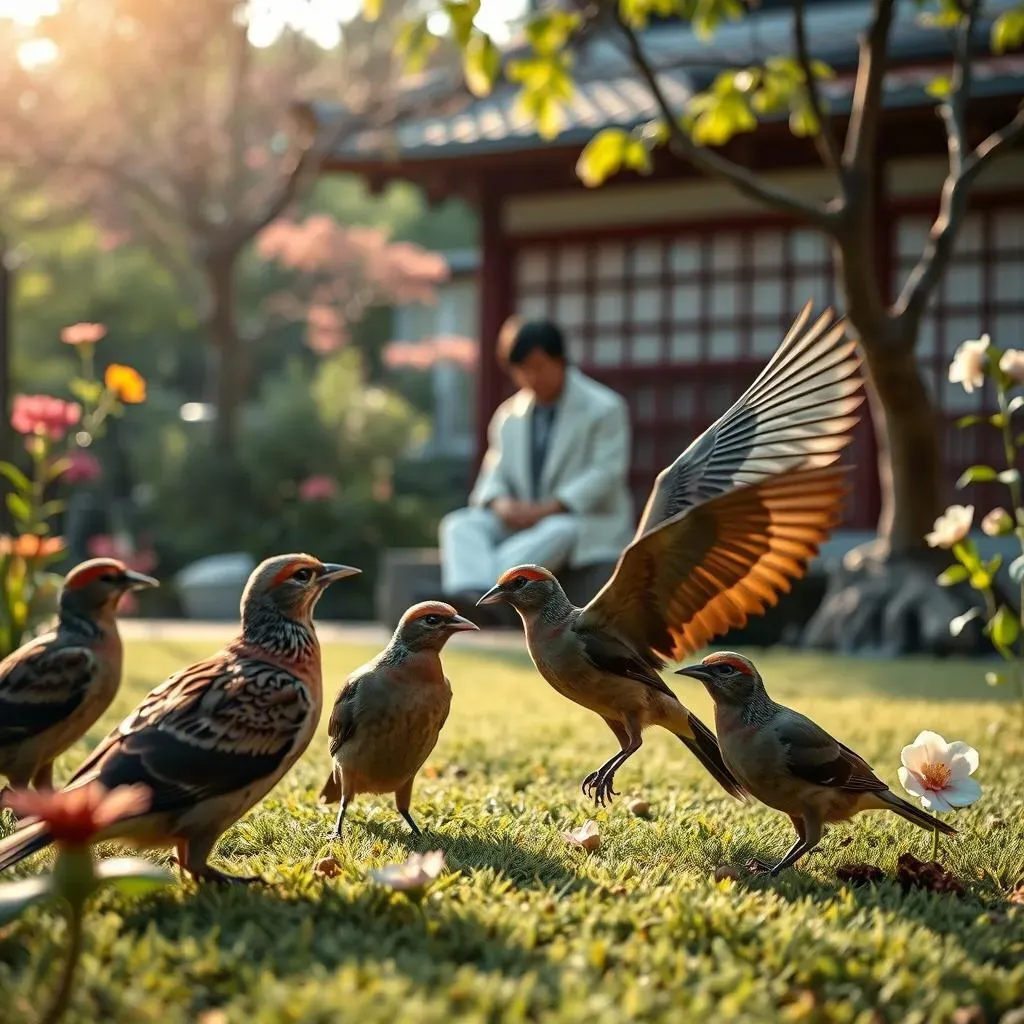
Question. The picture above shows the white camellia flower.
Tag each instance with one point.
(968, 366)
(938, 773)
(997, 522)
(587, 835)
(951, 527)
(418, 871)
(1012, 364)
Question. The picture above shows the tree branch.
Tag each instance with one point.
(866, 111)
(964, 169)
(824, 137)
(712, 163)
(952, 209)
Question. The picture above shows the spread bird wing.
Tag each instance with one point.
(219, 726)
(815, 756)
(798, 412)
(40, 685)
(710, 568)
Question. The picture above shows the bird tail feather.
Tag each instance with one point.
(331, 792)
(919, 817)
(704, 746)
(23, 843)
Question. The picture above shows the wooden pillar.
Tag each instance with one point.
(495, 285)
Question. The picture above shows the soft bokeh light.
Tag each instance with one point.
(27, 12)
(36, 53)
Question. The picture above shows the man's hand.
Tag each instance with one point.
(521, 515)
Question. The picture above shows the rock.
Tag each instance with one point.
(912, 873)
(726, 871)
(640, 807)
(860, 874)
(327, 867)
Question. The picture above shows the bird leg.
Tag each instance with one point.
(599, 784)
(590, 782)
(340, 820)
(808, 836)
(196, 852)
(403, 798)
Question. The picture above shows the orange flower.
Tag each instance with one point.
(75, 816)
(30, 545)
(127, 383)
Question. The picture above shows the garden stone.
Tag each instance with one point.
(212, 587)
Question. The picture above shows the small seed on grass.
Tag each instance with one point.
(327, 867)
(724, 871)
(640, 807)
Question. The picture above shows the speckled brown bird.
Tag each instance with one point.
(390, 712)
(212, 740)
(790, 763)
(55, 688)
(727, 527)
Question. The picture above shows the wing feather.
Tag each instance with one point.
(815, 756)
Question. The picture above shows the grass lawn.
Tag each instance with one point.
(523, 927)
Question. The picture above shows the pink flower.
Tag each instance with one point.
(44, 415)
(75, 816)
(83, 467)
(318, 487)
(83, 334)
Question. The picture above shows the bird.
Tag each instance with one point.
(727, 527)
(213, 739)
(390, 712)
(56, 687)
(790, 763)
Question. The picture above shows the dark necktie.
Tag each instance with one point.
(543, 418)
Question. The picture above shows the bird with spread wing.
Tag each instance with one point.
(727, 528)
(56, 687)
(212, 740)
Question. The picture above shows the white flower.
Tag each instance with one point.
(997, 522)
(418, 871)
(586, 835)
(951, 527)
(937, 772)
(1012, 364)
(968, 366)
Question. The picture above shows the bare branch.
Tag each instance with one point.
(824, 137)
(954, 113)
(953, 206)
(715, 165)
(866, 112)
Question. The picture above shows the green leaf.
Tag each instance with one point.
(722, 118)
(953, 575)
(414, 44)
(1004, 627)
(20, 509)
(17, 478)
(1008, 31)
(462, 13)
(133, 875)
(966, 552)
(1016, 570)
(602, 157)
(993, 565)
(939, 88)
(51, 509)
(481, 64)
(89, 392)
(976, 475)
(550, 31)
(981, 580)
(17, 897)
(57, 468)
(970, 421)
(957, 625)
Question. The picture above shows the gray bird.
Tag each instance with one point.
(788, 762)
(390, 712)
(727, 527)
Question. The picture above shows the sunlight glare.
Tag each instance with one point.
(27, 12)
(37, 53)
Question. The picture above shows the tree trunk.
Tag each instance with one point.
(230, 370)
(909, 456)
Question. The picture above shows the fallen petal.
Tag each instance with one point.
(586, 836)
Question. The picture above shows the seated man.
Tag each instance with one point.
(552, 488)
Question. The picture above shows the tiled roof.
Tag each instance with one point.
(608, 92)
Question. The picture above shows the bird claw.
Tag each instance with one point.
(603, 791)
(589, 784)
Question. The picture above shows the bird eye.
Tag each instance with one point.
(519, 581)
(110, 577)
(725, 670)
(302, 575)
(432, 620)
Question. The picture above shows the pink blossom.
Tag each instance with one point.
(83, 467)
(44, 415)
(325, 330)
(83, 334)
(318, 487)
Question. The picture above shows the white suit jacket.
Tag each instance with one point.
(585, 467)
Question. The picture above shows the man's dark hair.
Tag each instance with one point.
(517, 340)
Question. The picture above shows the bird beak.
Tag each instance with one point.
(139, 581)
(698, 672)
(333, 571)
(493, 596)
(460, 624)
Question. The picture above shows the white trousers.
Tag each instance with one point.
(477, 547)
